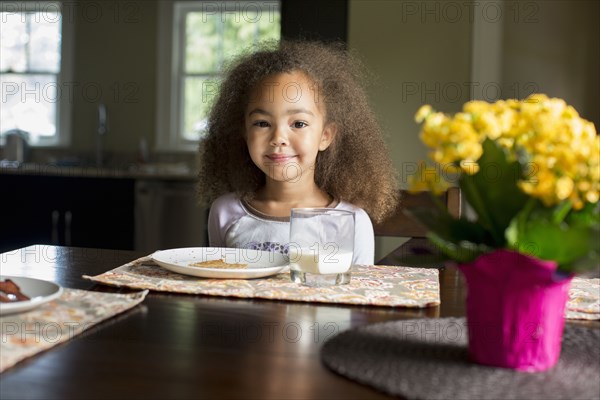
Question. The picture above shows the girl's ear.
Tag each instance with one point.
(328, 135)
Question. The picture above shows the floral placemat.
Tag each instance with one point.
(58, 321)
(370, 285)
(584, 299)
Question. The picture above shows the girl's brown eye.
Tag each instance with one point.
(300, 124)
(261, 124)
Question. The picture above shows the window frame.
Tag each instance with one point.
(62, 138)
(170, 68)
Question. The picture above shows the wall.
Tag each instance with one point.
(115, 63)
(416, 56)
(554, 48)
(414, 60)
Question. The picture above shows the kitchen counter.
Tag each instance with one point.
(166, 171)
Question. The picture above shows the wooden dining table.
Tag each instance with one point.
(190, 346)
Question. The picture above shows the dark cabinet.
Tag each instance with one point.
(69, 211)
(168, 216)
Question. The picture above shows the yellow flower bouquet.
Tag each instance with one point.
(530, 171)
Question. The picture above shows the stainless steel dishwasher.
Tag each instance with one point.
(167, 216)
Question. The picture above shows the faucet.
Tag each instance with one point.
(101, 131)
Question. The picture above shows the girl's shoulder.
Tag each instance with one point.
(359, 213)
(344, 205)
(227, 204)
(227, 198)
(225, 211)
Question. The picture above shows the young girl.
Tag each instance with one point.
(292, 128)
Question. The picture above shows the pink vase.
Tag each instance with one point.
(515, 310)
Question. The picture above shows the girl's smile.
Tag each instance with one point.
(280, 158)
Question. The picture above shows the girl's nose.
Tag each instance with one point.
(279, 137)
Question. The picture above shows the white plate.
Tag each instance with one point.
(260, 263)
(38, 291)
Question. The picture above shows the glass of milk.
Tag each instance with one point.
(321, 246)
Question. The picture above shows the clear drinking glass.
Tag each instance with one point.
(321, 246)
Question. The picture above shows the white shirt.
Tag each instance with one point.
(234, 223)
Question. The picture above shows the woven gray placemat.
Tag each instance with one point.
(427, 359)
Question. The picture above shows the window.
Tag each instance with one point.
(203, 35)
(33, 68)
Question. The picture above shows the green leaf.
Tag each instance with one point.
(449, 228)
(559, 243)
(517, 226)
(493, 192)
(589, 215)
(458, 239)
(463, 252)
(560, 211)
(590, 262)
(572, 241)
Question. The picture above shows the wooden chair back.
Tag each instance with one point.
(400, 224)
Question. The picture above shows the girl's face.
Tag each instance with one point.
(285, 127)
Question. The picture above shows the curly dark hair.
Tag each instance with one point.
(355, 168)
